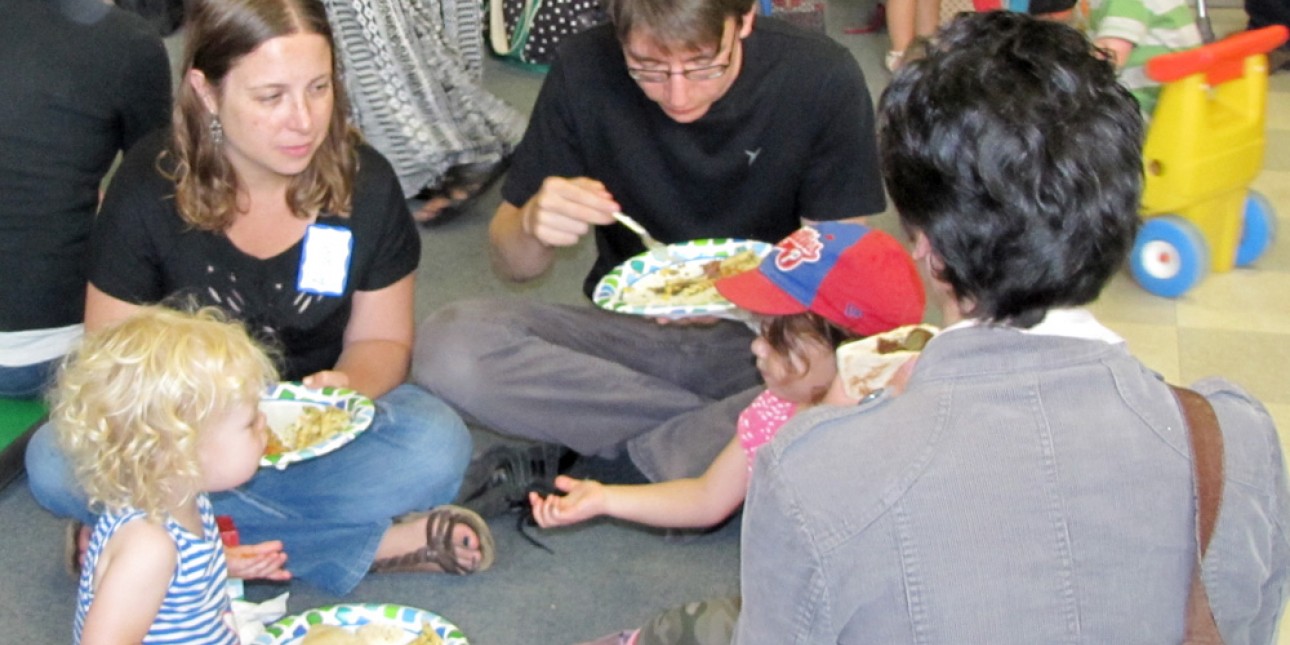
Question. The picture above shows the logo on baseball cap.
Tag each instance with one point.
(856, 277)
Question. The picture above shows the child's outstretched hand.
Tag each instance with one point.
(583, 499)
(263, 561)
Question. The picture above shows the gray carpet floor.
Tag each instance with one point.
(598, 577)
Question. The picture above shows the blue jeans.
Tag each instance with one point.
(26, 381)
(329, 512)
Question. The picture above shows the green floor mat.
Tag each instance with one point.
(18, 419)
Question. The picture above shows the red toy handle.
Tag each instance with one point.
(1221, 61)
(227, 530)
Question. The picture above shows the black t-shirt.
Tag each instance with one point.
(792, 139)
(143, 252)
(79, 81)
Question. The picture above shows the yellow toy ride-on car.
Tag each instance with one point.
(1203, 148)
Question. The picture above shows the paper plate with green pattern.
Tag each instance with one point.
(305, 422)
(415, 624)
(682, 287)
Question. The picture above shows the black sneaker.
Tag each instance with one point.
(500, 481)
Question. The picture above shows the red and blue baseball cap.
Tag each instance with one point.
(857, 277)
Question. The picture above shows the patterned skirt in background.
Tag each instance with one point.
(413, 69)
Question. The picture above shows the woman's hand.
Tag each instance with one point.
(583, 499)
(896, 386)
(327, 378)
(263, 561)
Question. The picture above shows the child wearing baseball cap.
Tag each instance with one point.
(825, 284)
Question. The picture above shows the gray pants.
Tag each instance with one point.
(592, 380)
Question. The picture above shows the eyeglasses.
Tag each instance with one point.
(705, 73)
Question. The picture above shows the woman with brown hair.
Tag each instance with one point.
(263, 201)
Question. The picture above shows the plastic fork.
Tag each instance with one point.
(656, 248)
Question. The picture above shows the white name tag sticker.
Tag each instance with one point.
(324, 262)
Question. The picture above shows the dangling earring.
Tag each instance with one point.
(217, 130)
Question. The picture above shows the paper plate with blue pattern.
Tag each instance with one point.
(681, 287)
(333, 416)
(416, 624)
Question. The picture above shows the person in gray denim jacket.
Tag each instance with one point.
(1032, 483)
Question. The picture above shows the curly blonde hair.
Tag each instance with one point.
(219, 33)
(130, 401)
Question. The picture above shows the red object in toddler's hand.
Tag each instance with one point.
(227, 530)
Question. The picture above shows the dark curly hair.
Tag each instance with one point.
(1014, 150)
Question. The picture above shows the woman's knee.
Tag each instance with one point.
(427, 427)
(50, 477)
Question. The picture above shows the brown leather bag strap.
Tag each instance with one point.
(1207, 465)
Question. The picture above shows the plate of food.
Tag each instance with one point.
(682, 286)
(362, 624)
(868, 364)
(305, 423)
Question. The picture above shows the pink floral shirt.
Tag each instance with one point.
(759, 422)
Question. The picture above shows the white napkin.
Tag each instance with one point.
(251, 617)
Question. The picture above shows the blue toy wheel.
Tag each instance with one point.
(1169, 256)
(1258, 229)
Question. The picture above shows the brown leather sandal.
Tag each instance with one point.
(72, 553)
(439, 549)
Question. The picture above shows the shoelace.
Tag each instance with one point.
(525, 520)
(516, 474)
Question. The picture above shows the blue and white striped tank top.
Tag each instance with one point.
(196, 608)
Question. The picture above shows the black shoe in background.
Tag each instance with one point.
(1279, 60)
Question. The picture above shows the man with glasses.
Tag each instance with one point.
(684, 116)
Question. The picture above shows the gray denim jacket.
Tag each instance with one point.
(1024, 489)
